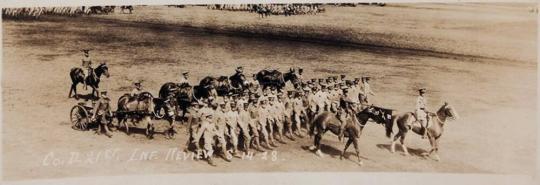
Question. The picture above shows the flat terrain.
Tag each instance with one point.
(496, 97)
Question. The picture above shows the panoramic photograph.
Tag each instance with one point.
(118, 90)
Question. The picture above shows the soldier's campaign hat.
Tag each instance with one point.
(356, 79)
(366, 78)
(313, 80)
(348, 82)
(422, 90)
(185, 73)
(300, 70)
(103, 92)
(85, 50)
(342, 76)
(239, 68)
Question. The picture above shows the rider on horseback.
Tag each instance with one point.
(346, 106)
(421, 112)
(135, 93)
(184, 80)
(86, 64)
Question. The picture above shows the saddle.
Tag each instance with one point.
(428, 119)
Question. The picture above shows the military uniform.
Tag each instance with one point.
(366, 91)
(231, 119)
(264, 117)
(86, 63)
(102, 110)
(244, 119)
(421, 110)
(255, 122)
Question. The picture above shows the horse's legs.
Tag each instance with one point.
(126, 125)
(403, 146)
(393, 144)
(318, 138)
(150, 128)
(436, 149)
(349, 142)
(73, 86)
(355, 144)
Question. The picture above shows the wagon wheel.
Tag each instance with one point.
(159, 112)
(79, 118)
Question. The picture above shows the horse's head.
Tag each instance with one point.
(102, 69)
(291, 76)
(377, 114)
(448, 111)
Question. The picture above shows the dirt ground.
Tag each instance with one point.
(496, 98)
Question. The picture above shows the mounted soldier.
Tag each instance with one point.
(238, 80)
(87, 65)
(421, 111)
(184, 80)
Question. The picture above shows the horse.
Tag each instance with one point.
(407, 121)
(140, 109)
(329, 121)
(276, 79)
(176, 96)
(93, 79)
(130, 8)
(238, 81)
(212, 86)
(262, 11)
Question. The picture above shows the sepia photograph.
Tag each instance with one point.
(113, 90)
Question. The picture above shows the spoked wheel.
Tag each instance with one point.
(79, 118)
(159, 112)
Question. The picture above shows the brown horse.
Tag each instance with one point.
(328, 121)
(139, 109)
(407, 121)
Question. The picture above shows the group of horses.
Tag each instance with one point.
(265, 10)
(36, 12)
(109, 9)
(174, 100)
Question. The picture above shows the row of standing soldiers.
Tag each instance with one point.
(269, 115)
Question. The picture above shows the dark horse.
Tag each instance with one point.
(176, 97)
(238, 81)
(77, 76)
(129, 8)
(212, 86)
(276, 79)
